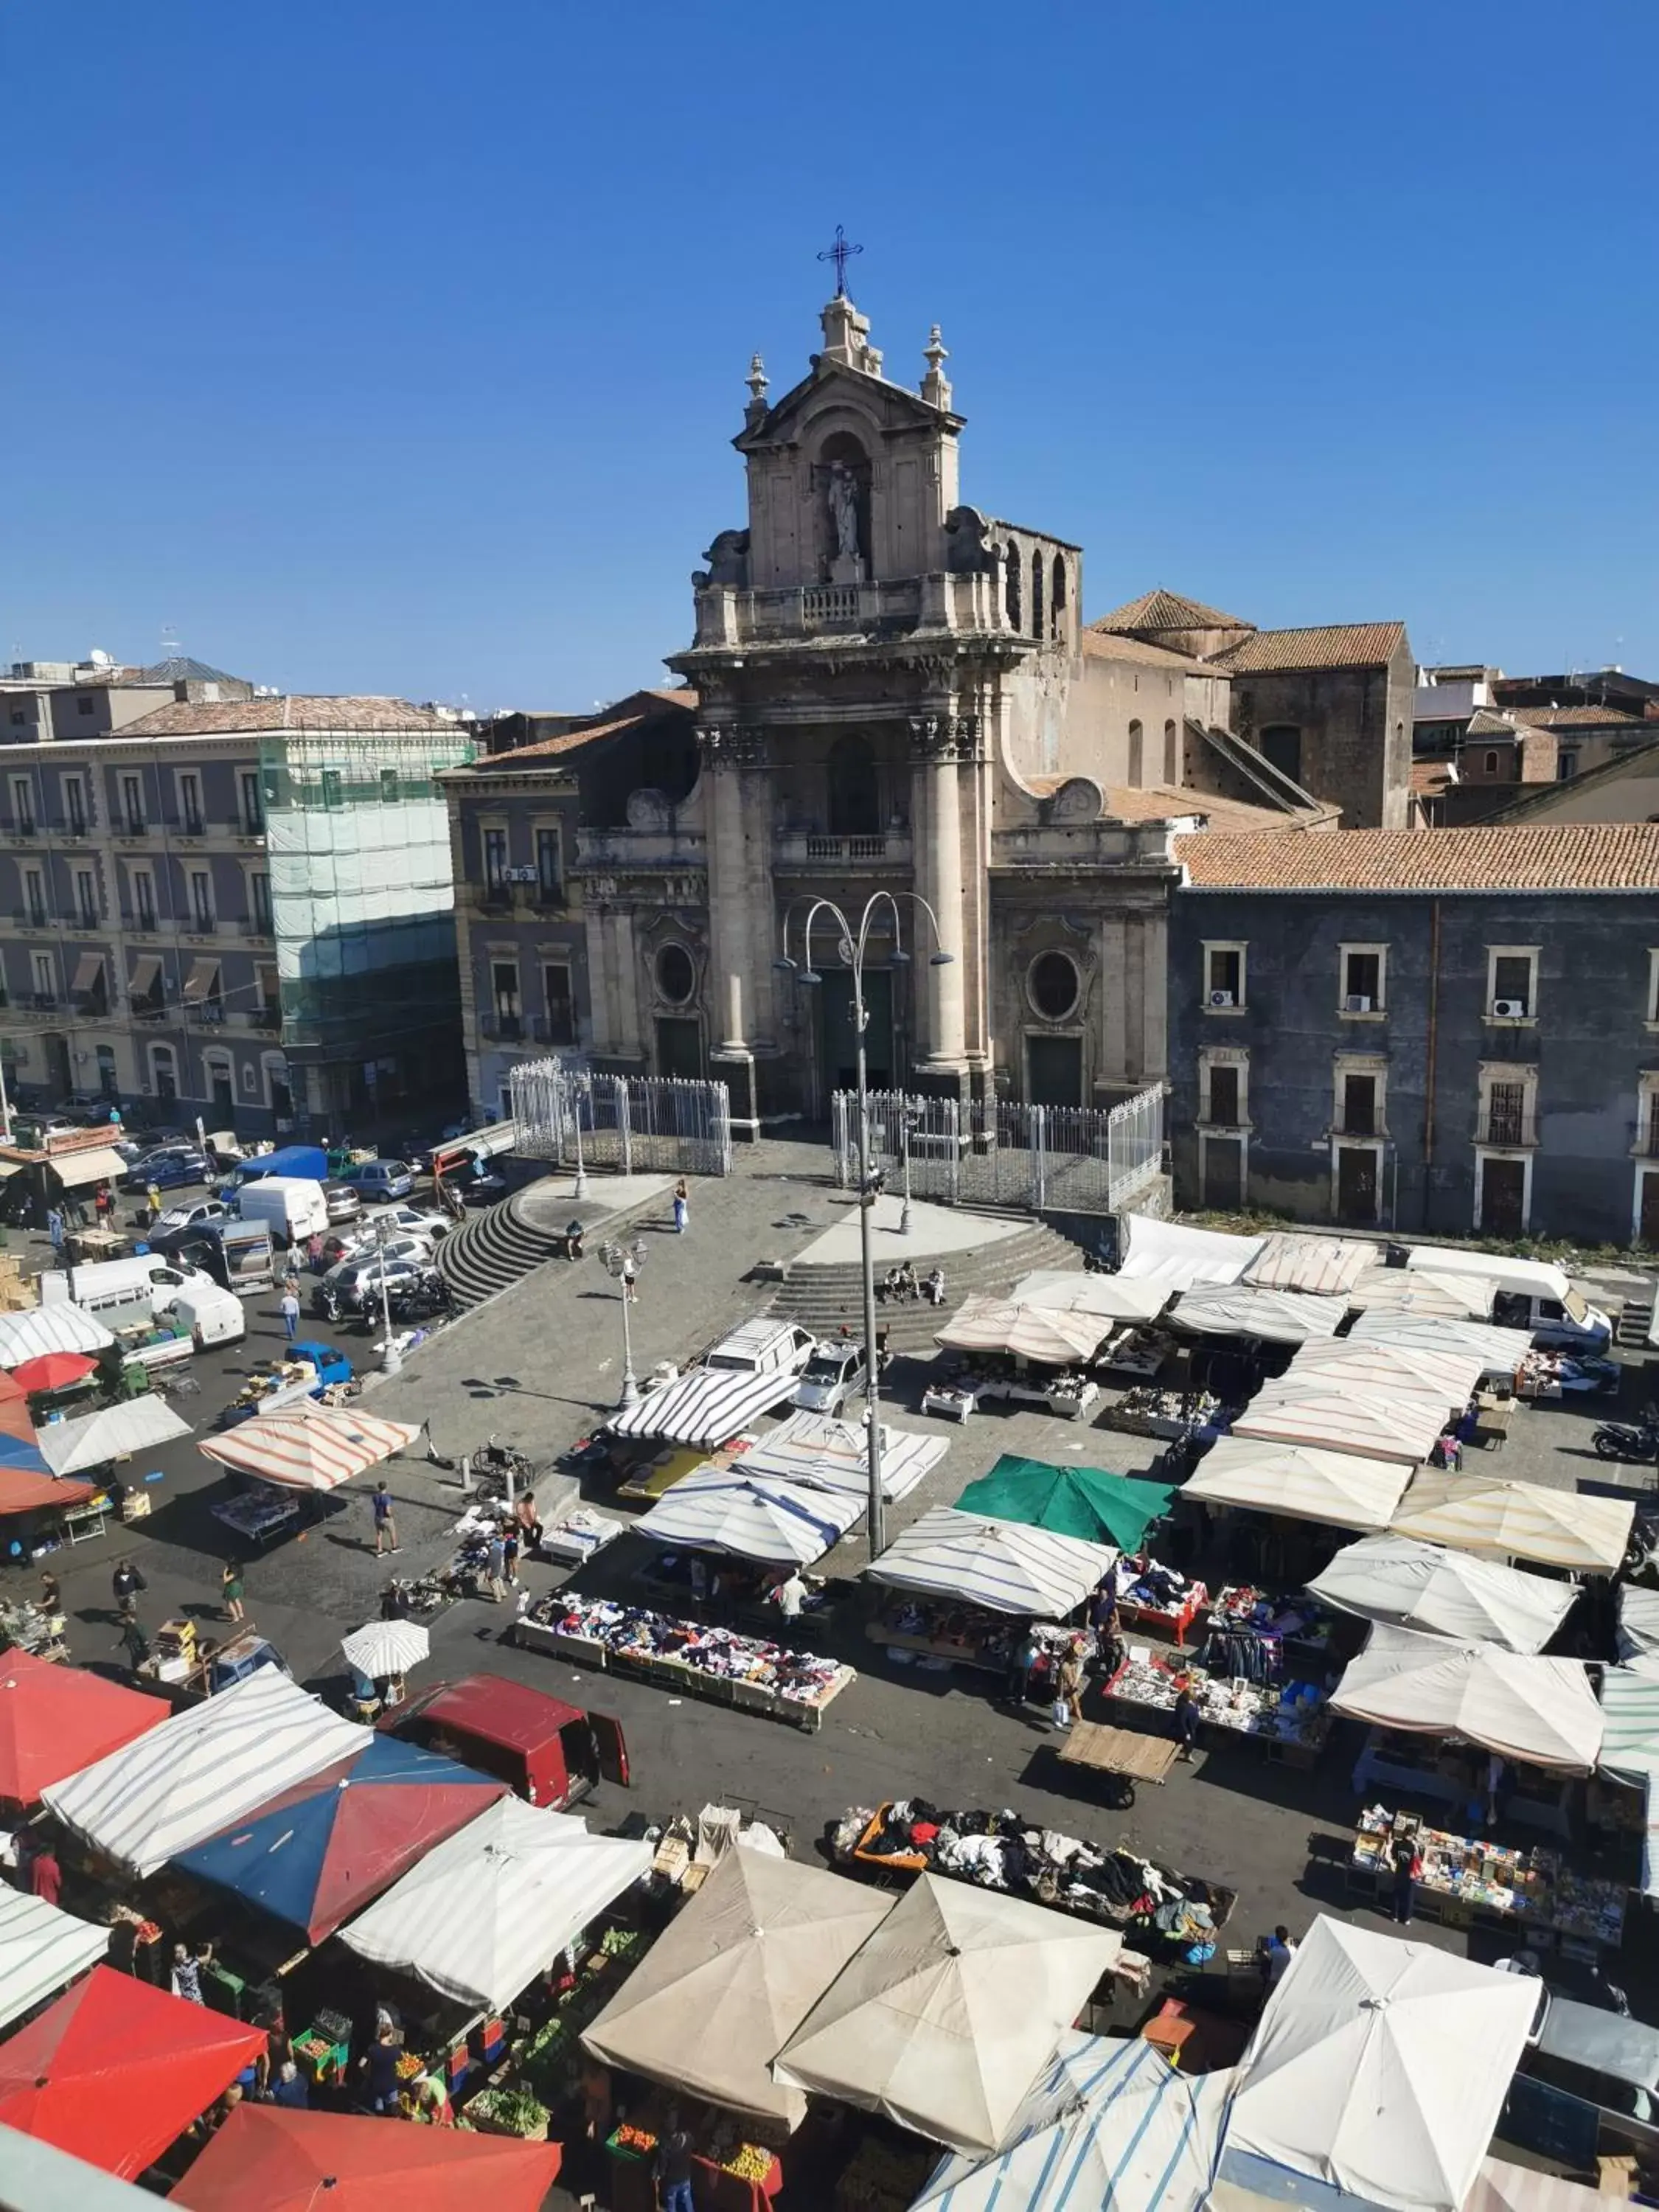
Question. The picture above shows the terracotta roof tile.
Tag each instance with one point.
(1335, 645)
(1574, 718)
(230, 717)
(1161, 610)
(1429, 776)
(1160, 802)
(571, 741)
(1566, 856)
(1115, 646)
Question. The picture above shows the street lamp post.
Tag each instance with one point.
(906, 1122)
(855, 945)
(579, 1089)
(622, 1263)
(391, 1358)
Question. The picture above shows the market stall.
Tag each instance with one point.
(1179, 1258)
(95, 1440)
(30, 1628)
(1268, 1317)
(705, 1405)
(1638, 1621)
(1529, 1892)
(822, 1453)
(1302, 1482)
(1383, 1423)
(946, 2016)
(269, 2158)
(1502, 1353)
(42, 1952)
(40, 1512)
(1323, 1267)
(1420, 1294)
(654, 1476)
(1379, 2068)
(479, 1915)
(1260, 1636)
(1518, 1520)
(35, 1330)
(1540, 1711)
(1629, 1747)
(56, 1720)
(732, 1510)
(1086, 1502)
(1022, 1355)
(193, 1773)
(1050, 1335)
(1289, 1721)
(309, 1447)
(1075, 1289)
(1157, 1600)
(1442, 1372)
(115, 2070)
(1001, 1567)
(749, 1671)
(1411, 1585)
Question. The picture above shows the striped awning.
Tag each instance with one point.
(1005, 1565)
(825, 1453)
(780, 1523)
(146, 974)
(1518, 1520)
(202, 982)
(1273, 1316)
(42, 1952)
(88, 970)
(1638, 1621)
(1630, 1746)
(40, 1330)
(1054, 1337)
(309, 1447)
(1300, 1482)
(706, 1407)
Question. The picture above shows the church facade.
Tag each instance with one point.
(893, 711)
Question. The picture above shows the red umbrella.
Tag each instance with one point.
(115, 2070)
(8, 1389)
(55, 1720)
(53, 1370)
(267, 2158)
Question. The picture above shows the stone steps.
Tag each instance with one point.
(490, 1250)
(823, 1298)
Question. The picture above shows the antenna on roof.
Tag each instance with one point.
(169, 642)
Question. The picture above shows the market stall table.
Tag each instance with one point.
(1291, 1725)
(1465, 1878)
(258, 1514)
(1170, 1618)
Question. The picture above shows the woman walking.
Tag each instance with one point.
(231, 1583)
(682, 1207)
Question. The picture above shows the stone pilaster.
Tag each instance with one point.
(939, 743)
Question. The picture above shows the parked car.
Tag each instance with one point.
(549, 1752)
(342, 1202)
(346, 1288)
(416, 1221)
(380, 1179)
(342, 1244)
(194, 1213)
(167, 1169)
(331, 1363)
(831, 1377)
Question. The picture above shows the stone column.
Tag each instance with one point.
(741, 929)
(938, 743)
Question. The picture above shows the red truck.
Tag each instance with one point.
(549, 1752)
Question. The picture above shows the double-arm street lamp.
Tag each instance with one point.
(853, 946)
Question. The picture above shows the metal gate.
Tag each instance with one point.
(1083, 1159)
(632, 1124)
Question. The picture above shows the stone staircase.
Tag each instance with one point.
(822, 1298)
(491, 1249)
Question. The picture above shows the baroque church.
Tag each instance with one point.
(890, 691)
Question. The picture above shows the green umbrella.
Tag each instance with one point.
(1090, 1502)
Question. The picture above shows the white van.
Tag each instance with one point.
(211, 1315)
(1532, 1294)
(122, 1292)
(294, 1207)
(759, 1347)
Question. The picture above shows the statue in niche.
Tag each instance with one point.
(843, 496)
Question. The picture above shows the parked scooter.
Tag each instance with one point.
(1618, 1440)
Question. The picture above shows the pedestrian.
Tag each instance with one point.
(103, 1204)
(629, 1291)
(790, 1596)
(291, 1281)
(115, 1117)
(231, 1582)
(573, 1238)
(1277, 1954)
(52, 1595)
(380, 2063)
(385, 1528)
(289, 2088)
(126, 1581)
(186, 1976)
(1020, 1663)
(672, 2169)
(45, 1875)
(496, 1568)
(1068, 1684)
(291, 1313)
(135, 1641)
(934, 1288)
(682, 1207)
(153, 1199)
(1406, 1868)
(510, 1550)
(55, 1229)
(1102, 1608)
(1186, 1719)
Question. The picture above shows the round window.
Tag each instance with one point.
(1053, 985)
(675, 977)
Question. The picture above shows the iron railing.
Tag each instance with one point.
(634, 1124)
(1086, 1158)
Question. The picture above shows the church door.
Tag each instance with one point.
(854, 797)
(1054, 1070)
(837, 1043)
(679, 1046)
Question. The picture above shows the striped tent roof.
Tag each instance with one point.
(1002, 1564)
(42, 1952)
(707, 1406)
(1638, 1621)
(309, 1447)
(824, 1454)
(728, 1509)
(1452, 1374)
(1299, 1481)
(1630, 1746)
(1500, 1350)
(1053, 1337)
(1518, 1520)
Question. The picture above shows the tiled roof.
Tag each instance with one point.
(1160, 609)
(230, 717)
(1159, 802)
(1336, 644)
(1115, 646)
(180, 668)
(1490, 722)
(1566, 856)
(1574, 718)
(1429, 776)
(570, 741)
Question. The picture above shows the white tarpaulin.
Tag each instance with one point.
(1179, 1258)
(1499, 1351)
(1110, 2127)
(1445, 1372)
(39, 1329)
(1539, 1278)
(1070, 1290)
(1518, 1520)
(1054, 1338)
(1299, 1481)
(1274, 1316)
(1502, 2187)
(493, 1905)
(706, 1407)
(41, 1951)
(824, 1454)
(78, 1170)
(1329, 1267)
(1425, 1296)
(946, 2016)
(1378, 2068)
(1638, 1621)
(716, 1508)
(1003, 1564)
(308, 1446)
(1541, 1712)
(202, 1770)
(112, 1432)
(1410, 1584)
(1334, 1416)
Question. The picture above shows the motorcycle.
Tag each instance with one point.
(1617, 1440)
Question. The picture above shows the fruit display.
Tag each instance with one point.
(640, 2141)
(749, 2162)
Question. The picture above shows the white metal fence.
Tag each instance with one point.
(633, 1124)
(1083, 1158)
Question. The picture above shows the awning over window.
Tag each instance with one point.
(75, 1171)
(146, 974)
(89, 972)
(202, 982)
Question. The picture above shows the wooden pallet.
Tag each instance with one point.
(1119, 1751)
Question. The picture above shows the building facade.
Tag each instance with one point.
(1448, 1032)
(245, 907)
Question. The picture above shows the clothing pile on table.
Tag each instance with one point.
(1147, 1582)
(989, 1637)
(998, 1851)
(634, 1630)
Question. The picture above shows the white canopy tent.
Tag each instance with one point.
(1005, 1565)
(732, 1976)
(113, 1433)
(1500, 1352)
(1072, 1289)
(1410, 1584)
(1377, 2071)
(1053, 1337)
(491, 1906)
(1630, 1746)
(1299, 1481)
(1274, 1316)
(1179, 1258)
(821, 1453)
(201, 1770)
(1111, 2125)
(1541, 1712)
(1424, 1295)
(1539, 1278)
(1443, 1372)
(39, 1329)
(1320, 1410)
(729, 1509)
(1329, 1267)
(1518, 1520)
(1638, 1621)
(41, 1951)
(706, 1407)
(947, 2014)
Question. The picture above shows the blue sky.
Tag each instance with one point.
(389, 345)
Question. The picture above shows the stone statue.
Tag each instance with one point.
(843, 496)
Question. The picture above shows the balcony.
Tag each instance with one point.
(34, 1004)
(807, 851)
(24, 831)
(93, 1005)
(198, 925)
(1644, 1136)
(148, 1010)
(1358, 1121)
(130, 827)
(31, 917)
(267, 1016)
(600, 852)
(138, 925)
(1517, 1131)
(502, 1029)
(255, 925)
(551, 1030)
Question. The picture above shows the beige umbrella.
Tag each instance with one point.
(951, 2011)
(720, 1993)
(309, 1447)
(1518, 1520)
(1053, 1339)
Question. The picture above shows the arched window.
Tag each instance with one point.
(1137, 751)
(1281, 746)
(852, 790)
(1054, 985)
(1171, 758)
(1492, 763)
(1037, 593)
(1057, 600)
(676, 974)
(1015, 558)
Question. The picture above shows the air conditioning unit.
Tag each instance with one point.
(1221, 998)
(1356, 1003)
(1509, 1010)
